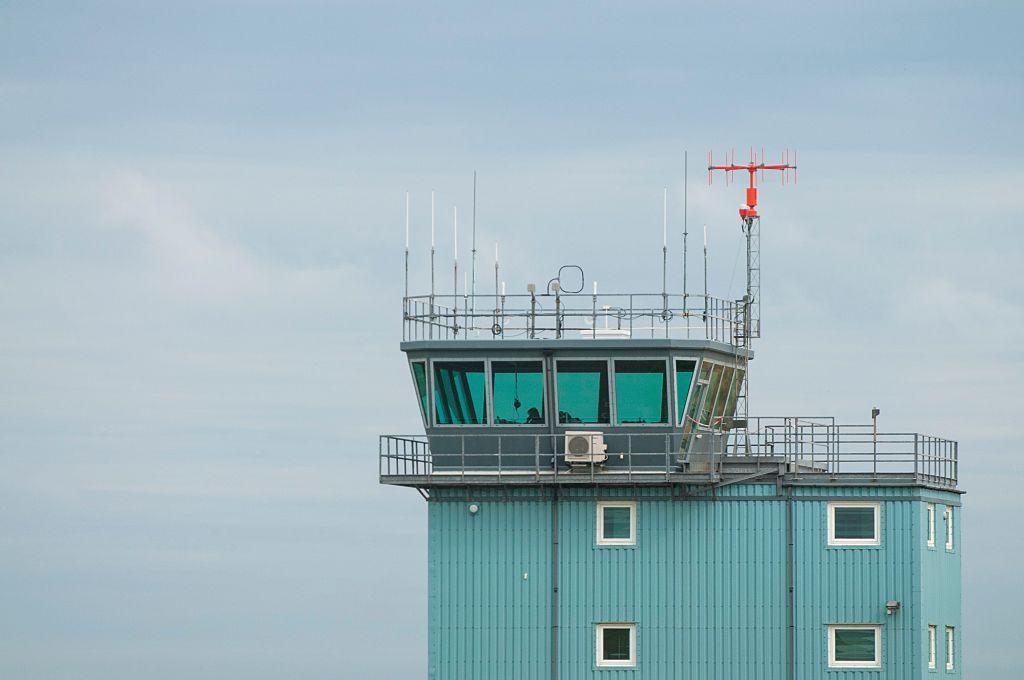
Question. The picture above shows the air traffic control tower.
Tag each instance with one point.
(602, 505)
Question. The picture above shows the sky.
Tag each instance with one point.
(201, 232)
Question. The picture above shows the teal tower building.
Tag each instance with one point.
(602, 504)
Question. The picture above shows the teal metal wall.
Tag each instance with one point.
(706, 583)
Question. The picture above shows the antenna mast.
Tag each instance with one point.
(751, 226)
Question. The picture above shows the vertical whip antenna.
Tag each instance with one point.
(472, 291)
(407, 244)
(495, 329)
(432, 251)
(705, 272)
(664, 259)
(455, 268)
(686, 170)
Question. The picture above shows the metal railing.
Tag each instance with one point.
(802, 449)
(655, 315)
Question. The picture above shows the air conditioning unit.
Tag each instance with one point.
(585, 447)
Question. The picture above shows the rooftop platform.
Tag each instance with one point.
(797, 451)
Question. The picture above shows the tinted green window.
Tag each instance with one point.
(518, 391)
(855, 522)
(640, 394)
(616, 644)
(855, 644)
(684, 377)
(419, 374)
(616, 522)
(583, 392)
(459, 393)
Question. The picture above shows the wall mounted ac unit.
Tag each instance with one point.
(585, 447)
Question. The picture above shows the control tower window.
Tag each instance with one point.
(459, 393)
(518, 392)
(712, 394)
(641, 394)
(684, 378)
(583, 392)
(419, 375)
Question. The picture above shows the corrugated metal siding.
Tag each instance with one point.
(705, 584)
(486, 620)
(940, 597)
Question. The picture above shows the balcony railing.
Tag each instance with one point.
(804, 450)
(573, 315)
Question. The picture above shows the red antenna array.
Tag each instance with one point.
(755, 168)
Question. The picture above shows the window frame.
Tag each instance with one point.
(679, 419)
(950, 647)
(487, 390)
(614, 396)
(833, 663)
(492, 416)
(949, 528)
(600, 539)
(933, 632)
(611, 392)
(930, 517)
(854, 542)
(600, 661)
(424, 414)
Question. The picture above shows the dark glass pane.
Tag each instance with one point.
(737, 386)
(518, 391)
(459, 393)
(855, 522)
(419, 373)
(709, 402)
(616, 644)
(640, 394)
(724, 387)
(684, 377)
(583, 392)
(616, 522)
(855, 644)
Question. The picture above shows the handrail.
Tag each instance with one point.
(805, 449)
(467, 317)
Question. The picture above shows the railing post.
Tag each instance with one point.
(956, 462)
(536, 457)
(499, 457)
(915, 457)
(668, 448)
(462, 439)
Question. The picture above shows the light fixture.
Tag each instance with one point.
(891, 607)
(473, 508)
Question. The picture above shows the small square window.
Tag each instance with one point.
(949, 527)
(931, 525)
(931, 647)
(949, 648)
(616, 523)
(616, 645)
(855, 646)
(854, 523)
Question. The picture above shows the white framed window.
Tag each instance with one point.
(949, 648)
(616, 523)
(949, 527)
(931, 525)
(931, 646)
(854, 646)
(854, 523)
(616, 645)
